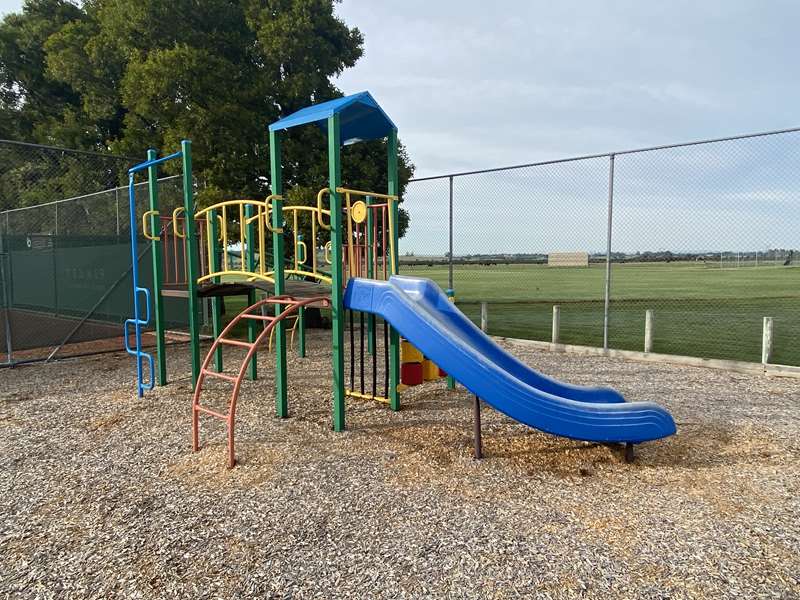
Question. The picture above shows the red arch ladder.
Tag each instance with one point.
(251, 312)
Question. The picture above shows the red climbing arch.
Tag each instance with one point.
(251, 312)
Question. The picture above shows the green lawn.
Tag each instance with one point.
(699, 311)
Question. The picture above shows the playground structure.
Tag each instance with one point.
(192, 258)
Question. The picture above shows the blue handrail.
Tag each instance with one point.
(136, 321)
(152, 163)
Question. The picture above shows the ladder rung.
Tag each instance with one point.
(258, 317)
(213, 413)
(224, 376)
(231, 342)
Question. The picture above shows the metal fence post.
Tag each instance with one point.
(648, 330)
(556, 333)
(116, 202)
(766, 341)
(608, 250)
(54, 253)
(4, 281)
(450, 255)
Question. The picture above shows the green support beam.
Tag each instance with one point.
(281, 400)
(158, 271)
(337, 282)
(250, 249)
(394, 337)
(216, 265)
(192, 259)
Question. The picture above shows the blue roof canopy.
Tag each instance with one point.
(360, 116)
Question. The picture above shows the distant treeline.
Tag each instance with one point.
(786, 256)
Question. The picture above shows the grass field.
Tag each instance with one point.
(699, 311)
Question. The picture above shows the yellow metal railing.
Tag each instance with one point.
(226, 213)
(294, 214)
(229, 215)
(357, 218)
(231, 212)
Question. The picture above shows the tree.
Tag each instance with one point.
(126, 75)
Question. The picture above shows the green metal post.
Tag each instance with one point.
(216, 302)
(192, 258)
(394, 336)
(250, 248)
(371, 274)
(337, 283)
(281, 400)
(158, 272)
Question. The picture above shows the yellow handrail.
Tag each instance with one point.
(175, 231)
(350, 241)
(343, 190)
(261, 208)
(175, 218)
(268, 203)
(392, 249)
(320, 210)
(147, 235)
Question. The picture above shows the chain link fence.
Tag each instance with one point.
(65, 264)
(704, 236)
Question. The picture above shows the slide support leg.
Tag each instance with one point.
(477, 429)
(629, 455)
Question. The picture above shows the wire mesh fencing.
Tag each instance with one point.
(702, 236)
(65, 280)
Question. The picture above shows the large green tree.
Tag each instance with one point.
(121, 76)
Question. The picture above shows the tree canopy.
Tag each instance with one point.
(121, 76)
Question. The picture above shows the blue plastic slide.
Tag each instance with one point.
(423, 315)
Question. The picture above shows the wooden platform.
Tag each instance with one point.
(294, 288)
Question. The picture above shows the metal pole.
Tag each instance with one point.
(608, 250)
(477, 428)
(53, 251)
(450, 257)
(6, 306)
(451, 293)
(116, 202)
(766, 341)
(556, 333)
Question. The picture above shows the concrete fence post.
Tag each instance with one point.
(648, 331)
(766, 341)
(484, 317)
(556, 324)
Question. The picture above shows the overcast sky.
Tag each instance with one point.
(474, 84)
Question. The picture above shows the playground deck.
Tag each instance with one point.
(101, 496)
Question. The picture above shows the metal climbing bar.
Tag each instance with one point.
(152, 163)
(136, 321)
(290, 307)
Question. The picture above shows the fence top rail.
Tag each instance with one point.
(83, 196)
(70, 150)
(610, 154)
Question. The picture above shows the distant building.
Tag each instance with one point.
(568, 259)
